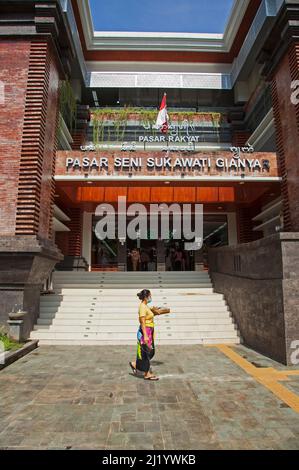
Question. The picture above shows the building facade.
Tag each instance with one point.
(76, 131)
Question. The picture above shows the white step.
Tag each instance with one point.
(174, 342)
(104, 328)
(85, 292)
(82, 296)
(40, 334)
(118, 308)
(133, 309)
(129, 296)
(130, 274)
(180, 302)
(75, 287)
(115, 316)
(115, 313)
(224, 320)
(102, 308)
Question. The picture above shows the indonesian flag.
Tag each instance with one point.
(162, 119)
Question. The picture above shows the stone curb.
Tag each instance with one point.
(12, 356)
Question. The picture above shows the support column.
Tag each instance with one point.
(161, 255)
(30, 74)
(198, 259)
(122, 256)
(286, 118)
(27, 157)
(87, 237)
(232, 228)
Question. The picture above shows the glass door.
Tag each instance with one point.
(141, 255)
(104, 253)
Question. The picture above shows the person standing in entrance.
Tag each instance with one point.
(178, 260)
(145, 259)
(135, 258)
(145, 335)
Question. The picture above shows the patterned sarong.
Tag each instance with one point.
(144, 352)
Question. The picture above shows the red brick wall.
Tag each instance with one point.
(286, 116)
(48, 183)
(62, 241)
(240, 138)
(75, 234)
(35, 188)
(13, 73)
(28, 122)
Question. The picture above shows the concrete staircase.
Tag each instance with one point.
(102, 308)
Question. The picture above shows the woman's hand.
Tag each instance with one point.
(146, 340)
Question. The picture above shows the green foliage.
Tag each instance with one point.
(68, 104)
(120, 117)
(9, 344)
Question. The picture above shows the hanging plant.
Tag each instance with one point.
(146, 118)
(120, 121)
(68, 104)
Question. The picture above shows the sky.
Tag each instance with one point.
(186, 16)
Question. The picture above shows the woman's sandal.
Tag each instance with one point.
(152, 377)
(133, 368)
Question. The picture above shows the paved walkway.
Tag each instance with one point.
(85, 397)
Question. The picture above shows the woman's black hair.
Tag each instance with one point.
(144, 294)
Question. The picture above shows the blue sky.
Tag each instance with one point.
(192, 16)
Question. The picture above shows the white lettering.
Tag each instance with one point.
(69, 162)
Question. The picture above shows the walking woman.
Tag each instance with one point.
(145, 335)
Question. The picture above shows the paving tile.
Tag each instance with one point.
(207, 403)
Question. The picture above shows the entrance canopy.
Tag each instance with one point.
(235, 186)
(220, 179)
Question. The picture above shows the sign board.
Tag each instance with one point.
(236, 162)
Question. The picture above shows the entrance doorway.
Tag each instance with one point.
(177, 258)
(215, 233)
(141, 255)
(148, 254)
(104, 253)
